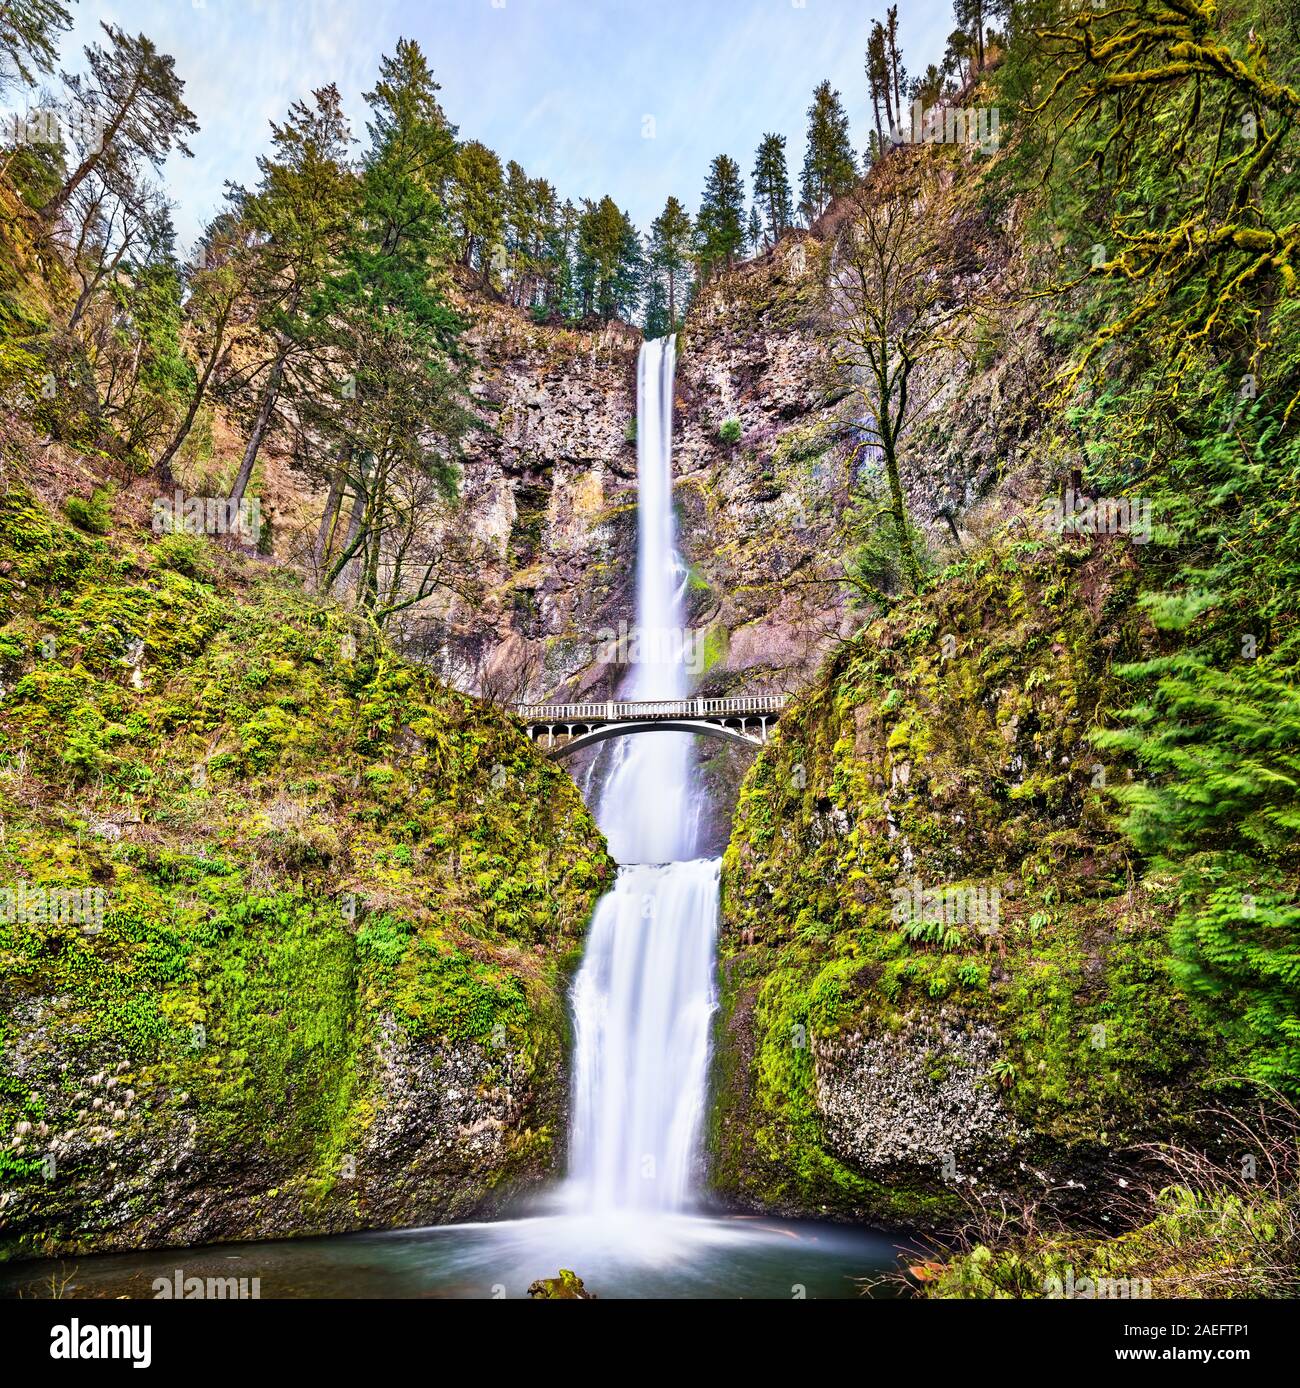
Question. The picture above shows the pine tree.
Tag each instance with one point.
(391, 404)
(772, 187)
(898, 72)
(411, 160)
(670, 256)
(880, 88)
(477, 205)
(829, 168)
(216, 286)
(658, 322)
(28, 33)
(969, 14)
(755, 232)
(562, 249)
(302, 213)
(128, 108)
(957, 55)
(720, 227)
(610, 264)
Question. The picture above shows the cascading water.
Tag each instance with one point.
(643, 1000)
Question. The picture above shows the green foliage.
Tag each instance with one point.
(186, 553)
(830, 168)
(772, 187)
(945, 745)
(94, 516)
(729, 432)
(1163, 145)
(317, 849)
(720, 225)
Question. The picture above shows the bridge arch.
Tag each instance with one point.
(606, 731)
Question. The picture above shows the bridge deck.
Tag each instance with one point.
(622, 711)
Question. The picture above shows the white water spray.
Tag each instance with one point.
(644, 998)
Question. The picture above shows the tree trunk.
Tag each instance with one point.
(260, 425)
(328, 522)
(83, 170)
(352, 539)
(898, 507)
(200, 390)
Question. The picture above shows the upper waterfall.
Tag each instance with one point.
(648, 809)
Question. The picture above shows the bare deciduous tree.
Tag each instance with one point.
(893, 307)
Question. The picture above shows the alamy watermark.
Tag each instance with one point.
(208, 515)
(1073, 514)
(1070, 1288)
(946, 905)
(45, 125)
(657, 646)
(30, 905)
(977, 126)
(178, 1287)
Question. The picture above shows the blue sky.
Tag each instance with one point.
(564, 86)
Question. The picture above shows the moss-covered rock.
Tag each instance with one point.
(287, 922)
(938, 977)
(568, 1286)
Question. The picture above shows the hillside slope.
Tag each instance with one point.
(286, 923)
(939, 977)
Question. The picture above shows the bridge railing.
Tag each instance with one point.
(613, 710)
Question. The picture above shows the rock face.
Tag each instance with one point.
(549, 496)
(921, 1095)
(762, 504)
(550, 492)
(454, 1133)
(937, 976)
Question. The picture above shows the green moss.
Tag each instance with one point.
(945, 746)
(301, 841)
(94, 515)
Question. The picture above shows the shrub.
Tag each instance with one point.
(94, 515)
(729, 431)
(185, 554)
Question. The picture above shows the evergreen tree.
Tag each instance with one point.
(477, 205)
(829, 168)
(28, 33)
(898, 73)
(216, 285)
(880, 88)
(928, 88)
(658, 322)
(128, 109)
(755, 232)
(411, 161)
(969, 14)
(390, 400)
(957, 55)
(720, 227)
(772, 187)
(670, 258)
(562, 293)
(609, 265)
(302, 213)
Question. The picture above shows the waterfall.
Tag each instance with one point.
(645, 996)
